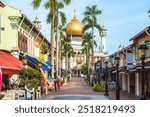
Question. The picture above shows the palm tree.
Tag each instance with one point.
(87, 44)
(52, 4)
(70, 54)
(87, 47)
(67, 50)
(58, 15)
(90, 21)
(62, 35)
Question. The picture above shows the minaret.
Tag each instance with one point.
(37, 23)
(103, 40)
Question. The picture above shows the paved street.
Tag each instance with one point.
(76, 89)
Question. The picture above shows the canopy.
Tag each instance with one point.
(9, 64)
(45, 66)
(32, 59)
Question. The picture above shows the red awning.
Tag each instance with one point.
(9, 64)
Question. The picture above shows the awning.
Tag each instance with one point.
(9, 64)
(45, 66)
(32, 59)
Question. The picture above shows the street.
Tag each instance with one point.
(76, 89)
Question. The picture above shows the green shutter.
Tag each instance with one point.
(137, 58)
(148, 51)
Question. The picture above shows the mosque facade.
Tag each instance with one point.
(74, 30)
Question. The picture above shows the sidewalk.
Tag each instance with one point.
(123, 95)
(77, 86)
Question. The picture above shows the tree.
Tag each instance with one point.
(62, 35)
(90, 21)
(87, 47)
(52, 8)
(67, 51)
(58, 16)
(70, 54)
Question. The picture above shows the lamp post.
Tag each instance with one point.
(24, 61)
(117, 60)
(106, 78)
(142, 52)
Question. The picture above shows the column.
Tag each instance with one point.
(123, 82)
(128, 77)
(137, 84)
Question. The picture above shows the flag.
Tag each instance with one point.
(0, 80)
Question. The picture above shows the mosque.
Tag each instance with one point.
(74, 30)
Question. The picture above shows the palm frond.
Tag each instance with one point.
(47, 5)
(63, 18)
(36, 3)
(86, 27)
(48, 20)
(67, 2)
(60, 5)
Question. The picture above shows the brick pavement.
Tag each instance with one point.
(123, 95)
(78, 86)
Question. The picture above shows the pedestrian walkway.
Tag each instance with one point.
(77, 85)
(123, 95)
(78, 89)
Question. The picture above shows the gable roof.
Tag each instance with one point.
(2, 4)
(140, 33)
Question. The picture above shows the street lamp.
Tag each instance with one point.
(142, 52)
(117, 60)
(106, 78)
(24, 61)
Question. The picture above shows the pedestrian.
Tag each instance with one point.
(94, 79)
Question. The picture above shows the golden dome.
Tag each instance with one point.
(74, 28)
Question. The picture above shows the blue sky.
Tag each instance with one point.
(122, 18)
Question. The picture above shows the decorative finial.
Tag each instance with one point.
(74, 13)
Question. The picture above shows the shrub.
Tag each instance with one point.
(34, 83)
(99, 87)
(29, 73)
(1, 96)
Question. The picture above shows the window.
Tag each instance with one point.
(137, 58)
(14, 25)
(2, 28)
(148, 45)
